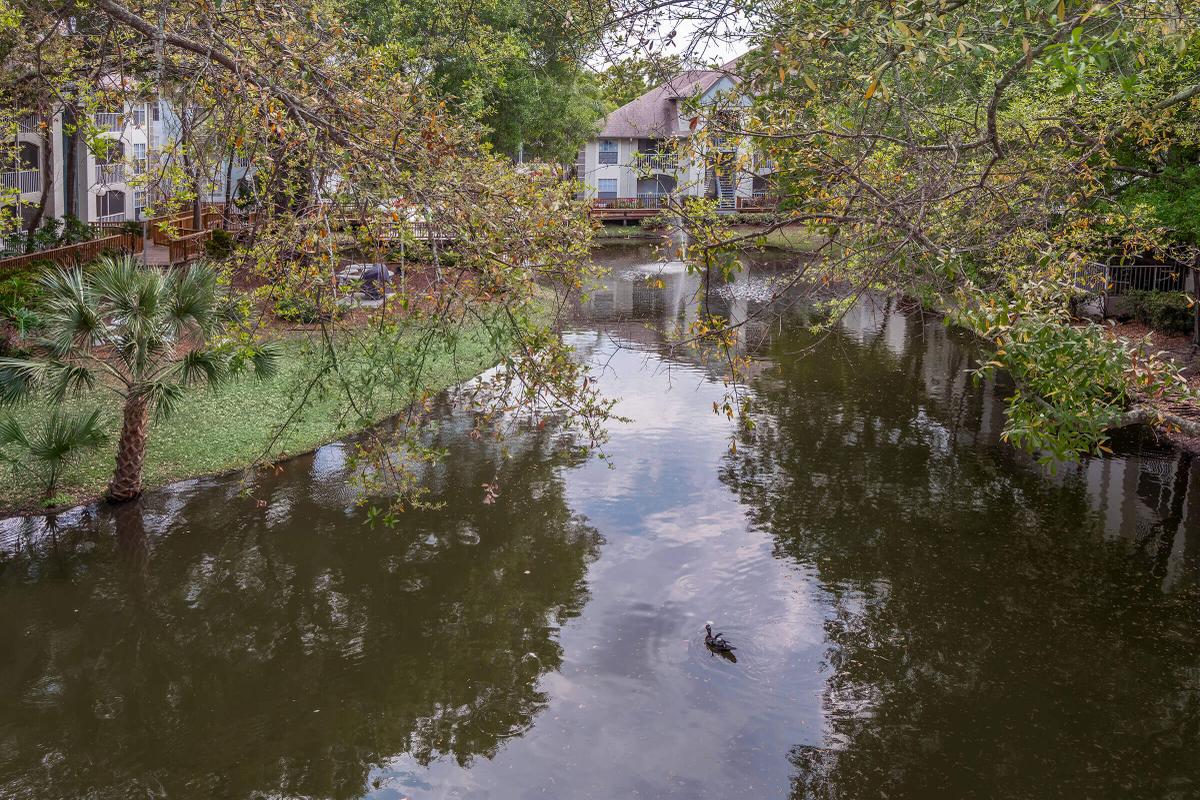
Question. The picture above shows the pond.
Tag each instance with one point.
(919, 611)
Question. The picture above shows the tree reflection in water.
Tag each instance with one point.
(213, 648)
(991, 635)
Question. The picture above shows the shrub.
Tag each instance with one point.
(219, 246)
(75, 230)
(1169, 312)
(304, 309)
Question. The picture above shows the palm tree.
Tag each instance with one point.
(139, 332)
(51, 446)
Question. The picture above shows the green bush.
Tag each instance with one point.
(304, 309)
(219, 246)
(75, 231)
(1169, 312)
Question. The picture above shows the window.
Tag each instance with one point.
(608, 151)
(110, 206)
(608, 188)
(139, 204)
(154, 111)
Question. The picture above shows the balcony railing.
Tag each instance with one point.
(110, 173)
(28, 123)
(762, 163)
(112, 121)
(117, 217)
(758, 201)
(641, 202)
(26, 180)
(655, 162)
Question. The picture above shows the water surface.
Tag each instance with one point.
(920, 611)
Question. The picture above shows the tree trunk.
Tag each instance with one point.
(131, 452)
(70, 167)
(47, 168)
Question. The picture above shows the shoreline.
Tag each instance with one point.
(245, 406)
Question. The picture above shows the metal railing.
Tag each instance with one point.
(28, 123)
(110, 173)
(117, 217)
(761, 163)
(26, 180)
(655, 162)
(654, 200)
(1119, 280)
(112, 121)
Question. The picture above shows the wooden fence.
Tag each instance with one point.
(72, 254)
(185, 248)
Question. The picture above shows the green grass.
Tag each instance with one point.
(791, 237)
(216, 430)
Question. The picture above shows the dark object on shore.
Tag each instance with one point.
(372, 279)
(716, 643)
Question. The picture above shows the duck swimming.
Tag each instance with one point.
(717, 642)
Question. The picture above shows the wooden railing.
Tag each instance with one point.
(759, 201)
(189, 247)
(72, 254)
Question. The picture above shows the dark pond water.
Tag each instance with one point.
(919, 611)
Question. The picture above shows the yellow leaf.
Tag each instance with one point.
(1062, 10)
(871, 90)
(811, 83)
(782, 74)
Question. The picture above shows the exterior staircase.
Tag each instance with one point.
(726, 194)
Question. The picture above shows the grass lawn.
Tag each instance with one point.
(218, 430)
(791, 237)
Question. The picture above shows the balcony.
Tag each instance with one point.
(655, 162)
(111, 121)
(110, 173)
(26, 180)
(761, 163)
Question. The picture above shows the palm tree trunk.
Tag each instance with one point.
(126, 482)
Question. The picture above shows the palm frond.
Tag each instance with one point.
(163, 395)
(266, 359)
(66, 433)
(11, 432)
(71, 315)
(202, 367)
(19, 377)
(64, 379)
(195, 298)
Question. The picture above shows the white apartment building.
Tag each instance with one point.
(26, 174)
(634, 159)
(110, 180)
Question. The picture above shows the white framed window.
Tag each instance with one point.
(608, 151)
(608, 188)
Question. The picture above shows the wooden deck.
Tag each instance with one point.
(633, 209)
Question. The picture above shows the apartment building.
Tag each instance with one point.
(637, 160)
(110, 176)
(25, 177)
